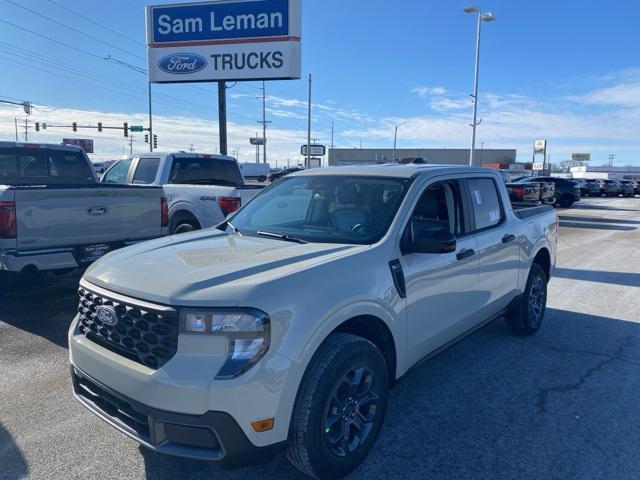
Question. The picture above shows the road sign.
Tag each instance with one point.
(539, 146)
(256, 141)
(538, 166)
(136, 128)
(224, 40)
(581, 157)
(316, 150)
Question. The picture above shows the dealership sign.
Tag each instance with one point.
(316, 150)
(581, 157)
(85, 143)
(224, 40)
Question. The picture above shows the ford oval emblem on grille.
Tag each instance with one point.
(182, 63)
(96, 211)
(107, 315)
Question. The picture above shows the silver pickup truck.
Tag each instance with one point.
(201, 189)
(55, 215)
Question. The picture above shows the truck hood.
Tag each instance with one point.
(205, 268)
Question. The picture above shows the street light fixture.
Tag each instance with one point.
(482, 17)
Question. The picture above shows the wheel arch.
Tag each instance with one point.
(182, 214)
(543, 258)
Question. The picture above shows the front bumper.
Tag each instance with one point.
(213, 436)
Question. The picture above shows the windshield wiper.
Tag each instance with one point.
(282, 236)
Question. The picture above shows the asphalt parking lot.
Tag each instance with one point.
(563, 404)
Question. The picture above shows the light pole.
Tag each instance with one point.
(482, 17)
(395, 140)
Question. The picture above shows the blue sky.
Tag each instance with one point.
(566, 71)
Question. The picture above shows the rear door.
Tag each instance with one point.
(498, 251)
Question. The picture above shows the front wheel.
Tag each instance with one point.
(340, 407)
(526, 318)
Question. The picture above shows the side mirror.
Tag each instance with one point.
(430, 238)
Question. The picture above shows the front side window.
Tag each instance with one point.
(146, 171)
(486, 203)
(439, 206)
(325, 208)
(118, 174)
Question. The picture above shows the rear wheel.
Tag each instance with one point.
(527, 316)
(340, 407)
(566, 201)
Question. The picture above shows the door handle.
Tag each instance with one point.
(466, 253)
(508, 238)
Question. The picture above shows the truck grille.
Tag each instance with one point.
(144, 333)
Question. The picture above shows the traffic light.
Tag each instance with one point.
(37, 126)
(99, 126)
(146, 138)
(74, 125)
(155, 142)
(126, 129)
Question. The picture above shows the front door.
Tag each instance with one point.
(442, 289)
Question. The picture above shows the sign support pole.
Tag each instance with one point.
(150, 122)
(309, 127)
(222, 116)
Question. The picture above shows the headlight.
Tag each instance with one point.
(247, 330)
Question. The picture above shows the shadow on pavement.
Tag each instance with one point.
(13, 465)
(626, 279)
(596, 226)
(42, 305)
(599, 220)
(559, 405)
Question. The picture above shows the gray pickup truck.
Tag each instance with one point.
(55, 215)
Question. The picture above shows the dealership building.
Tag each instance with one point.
(446, 156)
(606, 172)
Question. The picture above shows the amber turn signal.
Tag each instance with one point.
(263, 425)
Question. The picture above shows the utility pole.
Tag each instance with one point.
(26, 129)
(192, 148)
(150, 121)
(131, 144)
(309, 127)
(264, 124)
(332, 134)
(16, 121)
(222, 116)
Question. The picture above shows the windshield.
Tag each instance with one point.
(325, 209)
(205, 171)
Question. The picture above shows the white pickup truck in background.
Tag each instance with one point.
(55, 215)
(201, 189)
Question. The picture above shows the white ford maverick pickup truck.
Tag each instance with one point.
(283, 328)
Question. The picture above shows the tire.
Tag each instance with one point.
(262, 179)
(527, 316)
(184, 227)
(566, 201)
(315, 446)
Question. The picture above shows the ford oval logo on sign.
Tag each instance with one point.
(182, 63)
(107, 315)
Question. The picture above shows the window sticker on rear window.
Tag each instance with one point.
(478, 197)
(494, 216)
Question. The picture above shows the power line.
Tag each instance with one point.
(70, 10)
(75, 29)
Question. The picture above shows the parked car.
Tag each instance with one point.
(201, 189)
(55, 215)
(636, 187)
(627, 188)
(588, 187)
(610, 188)
(255, 171)
(197, 347)
(273, 176)
(566, 192)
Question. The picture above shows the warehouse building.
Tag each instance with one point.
(606, 172)
(446, 156)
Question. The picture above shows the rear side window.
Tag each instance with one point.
(486, 203)
(205, 171)
(146, 171)
(43, 167)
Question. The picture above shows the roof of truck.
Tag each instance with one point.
(393, 170)
(49, 146)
